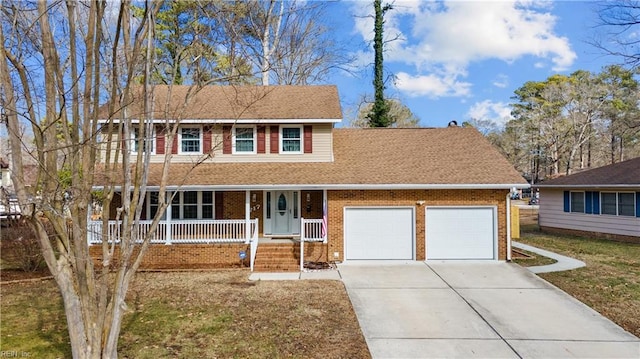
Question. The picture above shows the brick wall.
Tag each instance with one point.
(188, 256)
(340, 199)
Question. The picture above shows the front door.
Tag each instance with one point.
(285, 212)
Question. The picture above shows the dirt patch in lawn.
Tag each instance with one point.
(199, 314)
(610, 283)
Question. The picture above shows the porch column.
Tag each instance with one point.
(325, 216)
(247, 215)
(167, 227)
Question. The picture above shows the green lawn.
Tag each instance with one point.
(610, 283)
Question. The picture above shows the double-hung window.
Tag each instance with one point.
(190, 140)
(193, 205)
(149, 140)
(291, 139)
(609, 203)
(244, 139)
(618, 203)
(626, 204)
(577, 202)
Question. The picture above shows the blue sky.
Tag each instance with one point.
(457, 60)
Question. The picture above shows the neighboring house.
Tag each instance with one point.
(601, 202)
(280, 172)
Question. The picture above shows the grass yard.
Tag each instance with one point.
(213, 314)
(610, 283)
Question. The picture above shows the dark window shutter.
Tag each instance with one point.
(588, 202)
(206, 139)
(174, 144)
(308, 139)
(160, 140)
(274, 140)
(637, 204)
(261, 139)
(596, 202)
(566, 201)
(226, 140)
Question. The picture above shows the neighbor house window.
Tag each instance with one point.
(609, 203)
(626, 204)
(291, 139)
(577, 202)
(618, 203)
(149, 141)
(190, 140)
(244, 139)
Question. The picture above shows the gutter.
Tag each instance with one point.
(589, 186)
(338, 187)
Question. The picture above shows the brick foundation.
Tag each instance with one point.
(574, 232)
(188, 256)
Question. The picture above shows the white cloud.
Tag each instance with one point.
(431, 85)
(487, 110)
(437, 36)
(501, 81)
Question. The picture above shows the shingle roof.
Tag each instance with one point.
(238, 102)
(625, 173)
(406, 158)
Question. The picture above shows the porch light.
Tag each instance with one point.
(308, 197)
(253, 197)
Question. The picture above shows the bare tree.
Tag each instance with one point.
(286, 40)
(400, 115)
(619, 22)
(71, 71)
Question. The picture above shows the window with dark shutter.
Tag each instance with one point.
(274, 142)
(226, 140)
(308, 139)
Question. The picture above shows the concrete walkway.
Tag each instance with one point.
(563, 262)
(475, 310)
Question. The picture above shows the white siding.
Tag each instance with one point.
(552, 215)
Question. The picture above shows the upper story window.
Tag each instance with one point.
(244, 139)
(291, 139)
(149, 141)
(190, 139)
(577, 202)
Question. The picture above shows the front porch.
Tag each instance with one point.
(219, 243)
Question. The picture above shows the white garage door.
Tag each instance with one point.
(460, 233)
(379, 233)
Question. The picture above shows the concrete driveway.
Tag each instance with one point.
(475, 310)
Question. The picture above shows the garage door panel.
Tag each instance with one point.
(460, 233)
(379, 233)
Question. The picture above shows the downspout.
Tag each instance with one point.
(508, 227)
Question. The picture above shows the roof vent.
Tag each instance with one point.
(453, 123)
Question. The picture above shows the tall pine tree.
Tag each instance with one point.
(379, 115)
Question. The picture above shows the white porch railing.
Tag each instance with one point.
(311, 231)
(182, 231)
(254, 245)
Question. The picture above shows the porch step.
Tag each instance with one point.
(278, 257)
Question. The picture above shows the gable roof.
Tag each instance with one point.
(233, 103)
(368, 159)
(621, 174)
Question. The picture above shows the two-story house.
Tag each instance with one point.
(280, 172)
